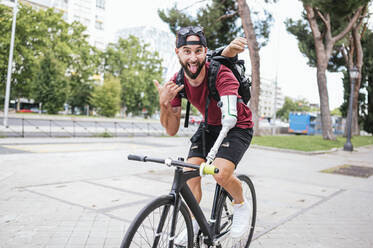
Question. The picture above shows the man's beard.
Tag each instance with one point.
(189, 73)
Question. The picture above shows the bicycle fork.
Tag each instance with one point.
(162, 221)
(175, 192)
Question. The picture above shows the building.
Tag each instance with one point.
(91, 13)
(271, 98)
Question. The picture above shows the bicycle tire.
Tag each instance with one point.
(225, 215)
(152, 212)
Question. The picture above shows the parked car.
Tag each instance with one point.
(24, 111)
(195, 120)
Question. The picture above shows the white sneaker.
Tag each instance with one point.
(182, 239)
(241, 219)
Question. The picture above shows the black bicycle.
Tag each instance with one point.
(158, 223)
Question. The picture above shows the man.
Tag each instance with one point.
(234, 118)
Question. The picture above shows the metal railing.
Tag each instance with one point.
(40, 127)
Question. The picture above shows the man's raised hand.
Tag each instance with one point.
(167, 92)
(235, 47)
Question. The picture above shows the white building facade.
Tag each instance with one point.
(91, 13)
(271, 98)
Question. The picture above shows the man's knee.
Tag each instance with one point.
(226, 169)
(223, 179)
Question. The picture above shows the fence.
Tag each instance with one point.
(40, 127)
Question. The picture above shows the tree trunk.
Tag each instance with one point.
(355, 128)
(322, 63)
(18, 106)
(354, 57)
(244, 12)
(326, 121)
(359, 64)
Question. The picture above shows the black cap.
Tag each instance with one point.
(184, 32)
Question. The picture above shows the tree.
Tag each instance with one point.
(353, 57)
(106, 98)
(336, 112)
(36, 31)
(368, 80)
(84, 62)
(253, 46)
(38, 34)
(5, 27)
(292, 106)
(51, 87)
(219, 21)
(365, 101)
(23, 55)
(328, 22)
(137, 67)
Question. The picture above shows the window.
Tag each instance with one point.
(100, 4)
(99, 25)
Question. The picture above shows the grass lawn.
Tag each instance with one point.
(309, 143)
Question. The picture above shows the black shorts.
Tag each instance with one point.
(232, 148)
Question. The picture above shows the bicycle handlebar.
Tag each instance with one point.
(136, 157)
(210, 169)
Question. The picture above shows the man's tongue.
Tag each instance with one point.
(193, 68)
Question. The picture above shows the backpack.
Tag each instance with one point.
(216, 60)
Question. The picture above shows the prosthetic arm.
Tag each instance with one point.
(228, 107)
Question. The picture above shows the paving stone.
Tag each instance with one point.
(89, 198)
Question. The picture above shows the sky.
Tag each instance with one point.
(280, 59)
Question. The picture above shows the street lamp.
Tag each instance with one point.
(354, 73)
(10, 63)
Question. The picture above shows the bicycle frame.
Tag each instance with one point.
(180, 187)
(211, 232)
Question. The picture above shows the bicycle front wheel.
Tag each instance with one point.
(152, 226)
(225, 216)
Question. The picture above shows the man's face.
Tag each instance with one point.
(192, 57)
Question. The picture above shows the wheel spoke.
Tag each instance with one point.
(226, 216)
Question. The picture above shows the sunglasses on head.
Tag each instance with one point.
(190, 30)
(184, 32)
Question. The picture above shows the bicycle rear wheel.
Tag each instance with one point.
(152, 226)
(225, 216)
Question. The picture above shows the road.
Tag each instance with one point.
(82, 192)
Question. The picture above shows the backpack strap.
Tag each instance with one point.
(204, 127)
(186, 121)
(213, 93)
(182, 94)
(212, 75)
(180, 81)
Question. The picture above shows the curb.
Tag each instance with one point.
(295, 151)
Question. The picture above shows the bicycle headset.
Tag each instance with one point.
(184, 32)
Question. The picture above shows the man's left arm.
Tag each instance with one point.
(228, 107)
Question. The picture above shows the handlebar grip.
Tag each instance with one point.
(136, 157)
(210, 170)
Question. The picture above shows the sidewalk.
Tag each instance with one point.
(84, 193)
